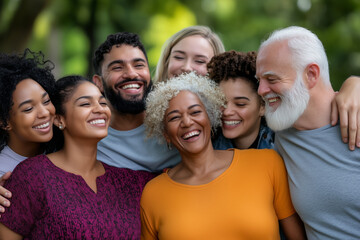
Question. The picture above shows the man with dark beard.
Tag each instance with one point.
(122, 74)
(324, 175)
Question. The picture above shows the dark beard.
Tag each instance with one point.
(132, 106)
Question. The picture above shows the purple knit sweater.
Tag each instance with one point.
(50, 203)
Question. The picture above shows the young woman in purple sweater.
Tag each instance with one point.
(69, 194)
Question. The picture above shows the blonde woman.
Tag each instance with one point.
(190, 49)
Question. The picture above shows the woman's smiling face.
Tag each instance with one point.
(244, 110)
(187, 125)
(32, 114)
(190, 54)
(87, 114)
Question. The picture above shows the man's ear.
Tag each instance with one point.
(312, 73)
(98, 82)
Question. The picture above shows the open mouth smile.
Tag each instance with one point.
(97, 121)
(273, 100)
(191, 134)
(131, 86)
(42, 126)
(231, 123)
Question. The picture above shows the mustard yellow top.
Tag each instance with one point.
(244, 202)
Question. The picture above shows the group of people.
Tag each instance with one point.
(202, 124)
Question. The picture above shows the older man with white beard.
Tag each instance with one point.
(324, 175)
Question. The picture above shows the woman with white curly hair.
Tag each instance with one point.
(210, 194)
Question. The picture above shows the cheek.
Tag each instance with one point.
(51, 109)
(205, 121)
(252, 112)
(145, 75)
(279, 88)
(245, 113)
(173, 68)
(201, 70)
(23, 123)
(171, 131)
(111, 78)
(76, 117)
(108, 112)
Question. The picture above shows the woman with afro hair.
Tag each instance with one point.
(243, 125)
(26, 111)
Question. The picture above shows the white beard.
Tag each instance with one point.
(293, 104)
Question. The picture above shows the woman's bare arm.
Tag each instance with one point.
(293, 228)
(8, 234)
(346, 105)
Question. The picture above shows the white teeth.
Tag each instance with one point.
(45, 125)
(271, 100)
(97, 121)
(191, 134)
(133, 85)
(231, 122)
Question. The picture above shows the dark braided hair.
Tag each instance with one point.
(13, 69)
(118, 39)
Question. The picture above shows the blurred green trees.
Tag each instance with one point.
(68, 31)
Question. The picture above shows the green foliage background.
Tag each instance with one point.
(68, 31)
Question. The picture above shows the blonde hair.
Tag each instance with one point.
(158, 100)
(161, 73)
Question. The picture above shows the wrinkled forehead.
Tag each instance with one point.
(183, 100)
(273, 56)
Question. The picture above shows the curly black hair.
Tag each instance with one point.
(233, 64)
(118, 39)
(13, 69)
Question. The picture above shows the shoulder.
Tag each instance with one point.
(32, 163)
(29, 174)
(129, 176)
(156, 184)
(265, 158)
(266, 138)
(7, 153)
(256, 153)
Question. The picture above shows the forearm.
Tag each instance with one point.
(7, 234)
(293, 228)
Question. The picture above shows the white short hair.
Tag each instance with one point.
(305, 48)
(158, 100)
